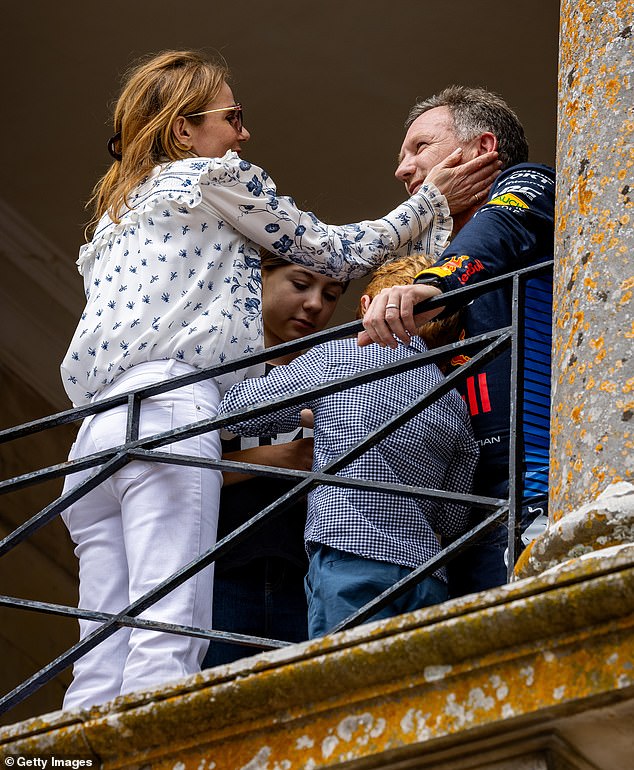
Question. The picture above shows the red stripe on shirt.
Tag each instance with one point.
(484, 392)
(471, 395)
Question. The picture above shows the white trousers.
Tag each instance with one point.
(136, 529)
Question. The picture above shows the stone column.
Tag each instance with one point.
(592, 422)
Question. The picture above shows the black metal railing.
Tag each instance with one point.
(479, 349)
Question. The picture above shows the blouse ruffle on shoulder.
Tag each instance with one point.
(178, 182)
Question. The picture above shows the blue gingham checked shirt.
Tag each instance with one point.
(434, 449)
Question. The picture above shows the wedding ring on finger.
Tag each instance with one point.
(397, 307)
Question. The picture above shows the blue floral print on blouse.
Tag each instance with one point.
(179, 276)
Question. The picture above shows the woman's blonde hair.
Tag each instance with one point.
(400, 272)
(155, 92)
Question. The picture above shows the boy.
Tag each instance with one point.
(360, 542)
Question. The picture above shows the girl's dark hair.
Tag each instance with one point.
(270, 261)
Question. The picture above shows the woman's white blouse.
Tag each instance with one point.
(179, 276)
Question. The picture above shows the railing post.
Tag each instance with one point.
(515, 454)
(592, 449)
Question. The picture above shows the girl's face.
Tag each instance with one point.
(296, 302)
(216, 135)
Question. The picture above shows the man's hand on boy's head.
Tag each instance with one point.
(391, 313)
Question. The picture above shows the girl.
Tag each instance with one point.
(259, 585)
(172, 281)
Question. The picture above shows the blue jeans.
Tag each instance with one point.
(339, 583)
(262, 598)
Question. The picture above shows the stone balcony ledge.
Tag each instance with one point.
(549, 656)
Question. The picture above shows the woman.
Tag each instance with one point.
(259, 585)
(172, 280)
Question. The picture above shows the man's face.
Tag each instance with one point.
(429, 140)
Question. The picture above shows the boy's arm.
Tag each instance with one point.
(282, 381)
(296, 454)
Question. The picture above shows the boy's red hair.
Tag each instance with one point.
(402, 271)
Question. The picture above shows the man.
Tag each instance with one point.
(510, 229)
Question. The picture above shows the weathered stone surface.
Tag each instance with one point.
(604, 523)
(592, 449)
(593, 376)
(519, 658)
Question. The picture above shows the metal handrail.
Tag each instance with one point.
(109, 461)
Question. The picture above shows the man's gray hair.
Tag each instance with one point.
(474, 111)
